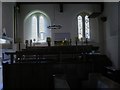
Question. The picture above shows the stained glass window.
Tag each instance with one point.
(83, 29)
(87, 27)
(80, 27)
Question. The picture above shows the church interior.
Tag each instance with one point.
(66, 45)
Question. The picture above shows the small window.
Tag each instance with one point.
(83, 27)
(87, 27)
(34, 27)
(41, 23)
(80, 27)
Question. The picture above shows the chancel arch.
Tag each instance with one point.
(35, 27)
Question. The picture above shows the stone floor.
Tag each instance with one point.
(60, 82)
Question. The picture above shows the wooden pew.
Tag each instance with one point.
(60, 53)
(35, 56)
(27, 76)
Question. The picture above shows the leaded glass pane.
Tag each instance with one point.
(41, 27)
(34, 28)
(87, 27)
(41, 24)
(41, 35)
(80, 27)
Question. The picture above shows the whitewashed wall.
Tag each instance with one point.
(8, 18)
(0, 45)
(0, 27)
(111, 32)
(119, 36)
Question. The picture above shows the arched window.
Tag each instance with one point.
(80, 27)
(83, 26)
(38, 28)
(87, 27)
(41, 27)
(35, 27)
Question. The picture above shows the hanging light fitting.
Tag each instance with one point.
(54, 26)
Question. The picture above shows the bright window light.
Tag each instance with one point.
(34, 27)
(2, 41)
(83, 27)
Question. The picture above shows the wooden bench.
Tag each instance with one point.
(27, 76)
